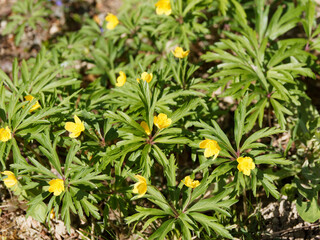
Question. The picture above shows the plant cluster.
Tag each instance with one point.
(142, 140)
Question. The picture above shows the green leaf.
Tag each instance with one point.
(163, 230)
(239, 118)
(269, 186)
(262, 133)
(38, 211)
(209, 222)
(308, 211)
(271, 159)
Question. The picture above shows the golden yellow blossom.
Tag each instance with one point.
(11, 181)
(146, 128)
(112, 21)
(121, 80)
(75, 128)
(97, 19)
(179, 53)
(211, 146)
(190, 183)
(162, 121)
(56, 186)
(245, 165)
(163, 7)
(141, 186)
(35, 106)
(5, 134)
(146, 77)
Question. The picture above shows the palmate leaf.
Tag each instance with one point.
(279, 111)
(239, 120)
(163, 230)
(217, 203)
(185, 110)
(256, 112)
(279, 25)
(268, 186)
(186, 234)
(223, 6)
(271, 159)
(124, 118)
(265, 132)
(210, 223)
(35, 167)
(157, 196)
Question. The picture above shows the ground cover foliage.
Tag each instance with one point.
(169, 119)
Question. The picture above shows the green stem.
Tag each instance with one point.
(245, 209)
(184, 209)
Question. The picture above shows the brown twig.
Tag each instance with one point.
(282, 232)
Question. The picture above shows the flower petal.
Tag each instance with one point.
(70, 126)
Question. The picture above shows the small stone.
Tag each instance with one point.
(54, 29)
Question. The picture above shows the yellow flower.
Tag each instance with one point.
(146, 77)
(179, 53)
(52, 214)
(146, 128)
(121, 80)
(162, 121)
(5, 134)
(35, 106)
(245, 165)
(163, 7)
(97, 19)
(141, 186)
(112, 21)
(56, 186)
(76, 128)
(211, 146)
(190, 183)
(11, 180)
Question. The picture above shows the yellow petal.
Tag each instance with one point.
(245, 165)
(146, 128)
(112, 21)
(29, 98)
(76, 128)
(209, 152)
(5, 134)
(141, 186)
(240, 159)
(204, 143)
(70, 126)
(121, 80)
(76, 119)
(52, 214)
(56, 186)
(11, 180)
(146, 77)
(141, 179)
(163, 7)
(8, 173)
(162, 121)
(190, 183)
(35, 106)
(179, 53)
